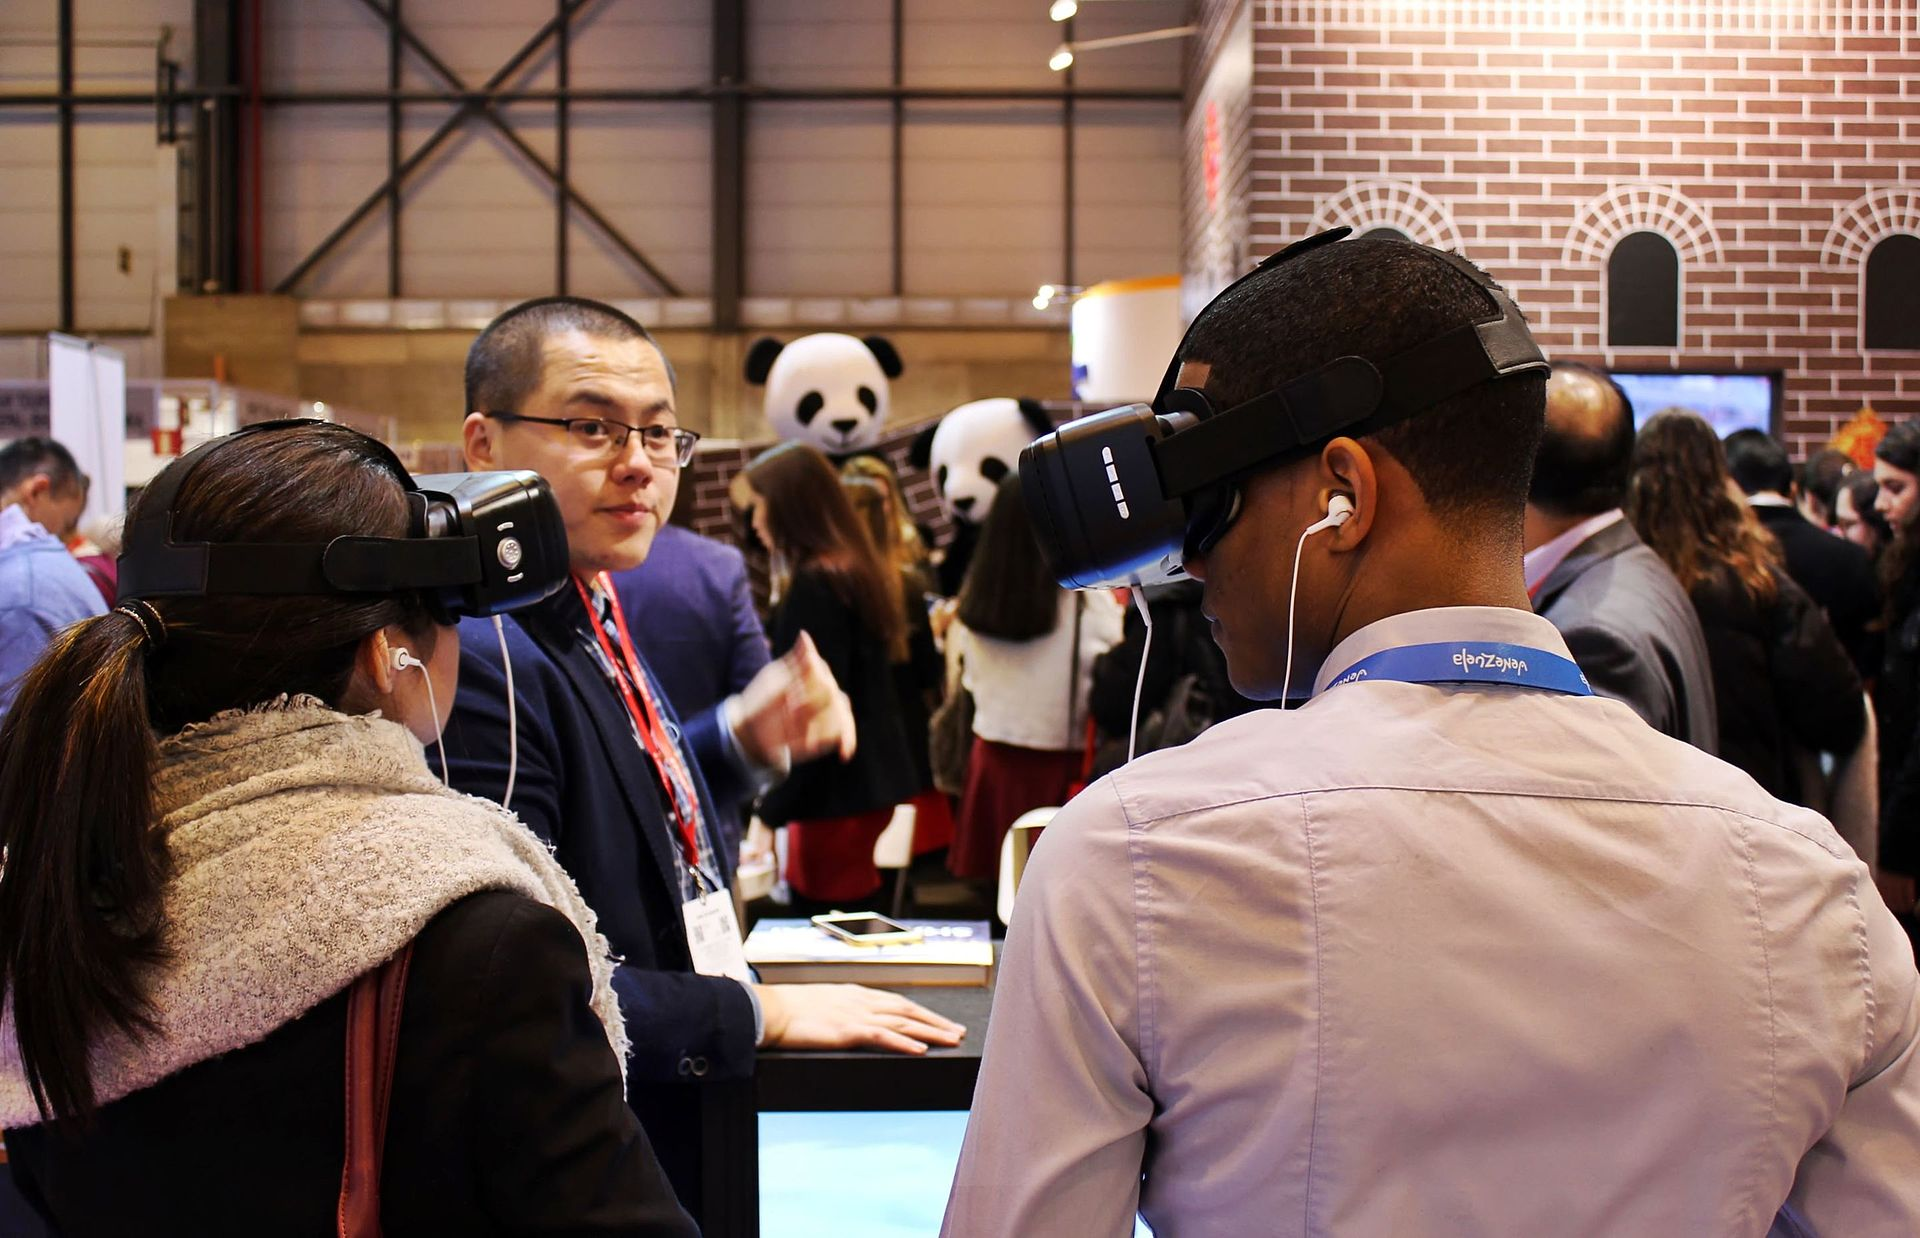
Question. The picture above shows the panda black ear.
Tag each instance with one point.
(920, 451)
(1038, 419)
(760, 359)
(883, 352)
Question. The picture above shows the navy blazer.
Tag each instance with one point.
(585, 786)
(692, 615)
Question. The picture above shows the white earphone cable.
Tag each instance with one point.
(1293, 593)
(513, 715)
(439, 740)
(1140, 681)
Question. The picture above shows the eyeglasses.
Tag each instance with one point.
(597, 436)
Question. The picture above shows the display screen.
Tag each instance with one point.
(1727, 402)
(865, 926)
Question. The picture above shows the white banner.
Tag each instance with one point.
(87, 393)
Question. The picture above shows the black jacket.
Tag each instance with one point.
(1182, 645)
(506, 1114)
(882, 772)
(1897, 695)
(585, 786)
(1779, 674)
(1837, 575)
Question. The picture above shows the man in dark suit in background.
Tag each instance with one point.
(693, 619)
(1626, 619)
(1836, 574)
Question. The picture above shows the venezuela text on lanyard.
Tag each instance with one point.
(682, 801)
(1471, 662)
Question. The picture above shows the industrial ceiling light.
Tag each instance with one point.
(1049, 293)
(1063, 10)
(1064, 54)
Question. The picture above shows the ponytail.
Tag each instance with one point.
(80, 909)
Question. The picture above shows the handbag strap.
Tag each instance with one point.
(373, 1035)
(1073, 665)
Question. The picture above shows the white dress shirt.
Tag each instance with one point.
(1542, 559)
(1445, 960)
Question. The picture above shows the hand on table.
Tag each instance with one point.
(794, 707)
(850, 1016)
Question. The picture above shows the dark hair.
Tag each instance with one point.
(906, 546)
(814, 526)
(81, 893)
(1585, 455)
(1470, 454)
(25, 457)
(1900, 567)
(1863, 489)
(1758, 462)
(505, 360)
(1008, 592)
(1822, 474)
(1681, 504)
(1901, 446)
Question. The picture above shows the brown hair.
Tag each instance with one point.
(81, 914)
(869, 499)
(815, 528)
(1681, 502)
(905, 547)
(1008, 591)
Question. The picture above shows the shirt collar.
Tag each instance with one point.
(1769, 498)
(1441, 624)
(16, 528)
(1541, 560)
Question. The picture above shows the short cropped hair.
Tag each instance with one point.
(1583, 464)
(1469, 454)
(26, 457)
(504, 362)
(1823, 472)
(1758, 462)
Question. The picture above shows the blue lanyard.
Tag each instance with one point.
(1471, 662)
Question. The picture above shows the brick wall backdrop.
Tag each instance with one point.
(1771, 141)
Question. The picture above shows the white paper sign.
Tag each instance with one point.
(87, 391)
(713, 937)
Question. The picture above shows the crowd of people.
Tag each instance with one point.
(1412, 949)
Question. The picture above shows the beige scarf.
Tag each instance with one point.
(308, 847)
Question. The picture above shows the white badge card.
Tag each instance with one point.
(713, 936)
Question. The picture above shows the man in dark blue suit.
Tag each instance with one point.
(605, 770)
(694, 622)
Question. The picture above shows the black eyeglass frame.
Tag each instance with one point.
(684, 439)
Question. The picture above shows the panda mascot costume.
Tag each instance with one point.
(828, 390)
(969, 452)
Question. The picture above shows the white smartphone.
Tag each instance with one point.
(866, 928)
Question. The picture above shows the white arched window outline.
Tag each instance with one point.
(1390, 204)
(1625, 209)
(1868, 220)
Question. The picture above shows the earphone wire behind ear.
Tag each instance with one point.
(402, 660)
(1339, 511)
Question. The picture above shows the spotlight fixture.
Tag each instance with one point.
(1063, 10)
(1049, 293)
(1064, 54)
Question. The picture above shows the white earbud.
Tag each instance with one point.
(1339, 511)
(402, 659)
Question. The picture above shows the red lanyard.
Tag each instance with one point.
(645, 712)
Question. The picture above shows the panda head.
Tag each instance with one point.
(972, 448)
(829, 390)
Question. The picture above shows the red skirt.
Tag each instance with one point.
(1002, 783)
(832, 857)
(932, 821)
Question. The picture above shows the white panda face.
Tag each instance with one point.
(828, 390)
(974, 448)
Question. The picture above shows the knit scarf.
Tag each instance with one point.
(307, 847)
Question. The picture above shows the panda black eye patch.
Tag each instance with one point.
(870, 400)
(993, 468)
(941, 477)
(809, 407)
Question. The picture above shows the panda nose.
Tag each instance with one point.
(964, 506)
(846, 425)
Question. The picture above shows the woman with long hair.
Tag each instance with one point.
(1779, 673)
(920, 672)
(1855, 517)
(1896, 468)
(1026, 648)
(833, 587)
(217, 816)
(905, 543)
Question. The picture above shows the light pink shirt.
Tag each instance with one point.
(1440, 960)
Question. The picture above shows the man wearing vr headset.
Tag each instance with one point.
(600, 766)
(1456, 947)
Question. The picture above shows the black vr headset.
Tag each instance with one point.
(477, 544)
(1125, 496)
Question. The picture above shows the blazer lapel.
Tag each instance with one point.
(1615, 539)
(553, 626)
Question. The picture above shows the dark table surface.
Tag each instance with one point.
(874, 1079)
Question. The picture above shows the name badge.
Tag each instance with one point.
(713, 937)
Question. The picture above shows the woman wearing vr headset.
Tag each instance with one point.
(218, 818)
